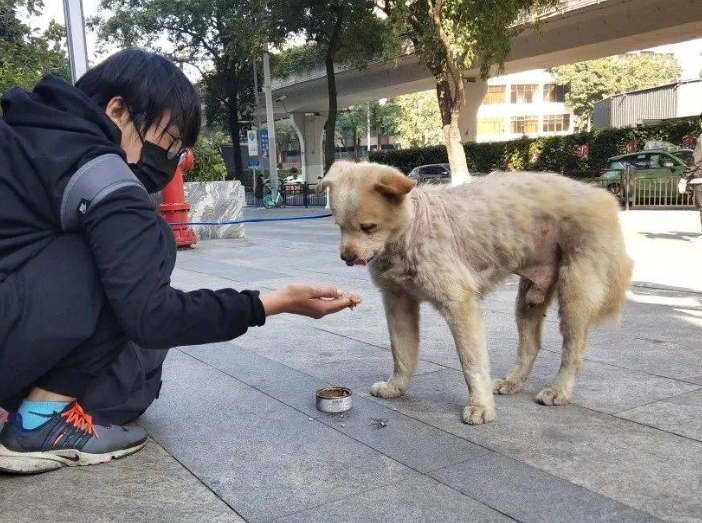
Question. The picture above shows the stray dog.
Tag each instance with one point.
(450, 246)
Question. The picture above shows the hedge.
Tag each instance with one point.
(553, 153)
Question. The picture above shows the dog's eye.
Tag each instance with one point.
(368, 227)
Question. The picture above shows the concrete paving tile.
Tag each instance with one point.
(417, 500)
(681, 415)
(407, 440)
(229, 271)
(148, 486)
(242, 364)
(321, 354)
(648, 469)
(259, 455)
(530, 495)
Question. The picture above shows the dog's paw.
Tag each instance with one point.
(478, 414)
(384, 389)
(550, 396)
(505, 386)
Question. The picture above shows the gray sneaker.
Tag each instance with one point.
(69, 438)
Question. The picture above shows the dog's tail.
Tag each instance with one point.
(619, 271)
(619, 279)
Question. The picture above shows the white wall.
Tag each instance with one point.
(538, 108)
(689, 99)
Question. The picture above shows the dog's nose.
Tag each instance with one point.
(349, 258)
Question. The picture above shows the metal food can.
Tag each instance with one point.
(334, 399)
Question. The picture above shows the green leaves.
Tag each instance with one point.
(594, 80)
(25, 56)
(553, 153)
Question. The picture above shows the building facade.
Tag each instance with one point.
(678, 100)
(528, 103)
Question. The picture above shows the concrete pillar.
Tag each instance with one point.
(310, 132)
(468, 119)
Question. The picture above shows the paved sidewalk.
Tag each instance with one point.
(236, 434)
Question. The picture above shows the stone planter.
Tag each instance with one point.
(214, 202)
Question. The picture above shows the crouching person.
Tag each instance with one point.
(87, 312)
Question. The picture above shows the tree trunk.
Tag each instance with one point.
(379, 133)
(234, 133)
(330, 125)
(450, 107)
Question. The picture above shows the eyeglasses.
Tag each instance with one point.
(175, 150)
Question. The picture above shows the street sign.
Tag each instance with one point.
(264, 139)
(252, 142)
(253, 164)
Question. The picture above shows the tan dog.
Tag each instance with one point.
(451, 246)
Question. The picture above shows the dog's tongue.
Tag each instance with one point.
(359, 261)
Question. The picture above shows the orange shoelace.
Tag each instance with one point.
(4, 416)
(78, 418)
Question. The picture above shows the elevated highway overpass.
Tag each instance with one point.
(580, 30)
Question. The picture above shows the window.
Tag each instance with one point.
(641, 161)
(686, 156)
(655, 161)
(495, 95)
(525, 124)
(556, 122)
(434, 170)
(523, 93)
(554, 93)
(491, 126)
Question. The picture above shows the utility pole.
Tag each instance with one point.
(369, 133)
(258, 120)
(75, 33)
(270, 120)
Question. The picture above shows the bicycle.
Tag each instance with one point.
(270, 203)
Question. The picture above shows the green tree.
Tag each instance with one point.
(384, 119)
(344, 31)
(24, 55)
(351, 125)
(297, 59)
(419, 121)
(220, 38)
(594, 80)
(451, 36)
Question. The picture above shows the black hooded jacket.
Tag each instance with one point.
(46, 137)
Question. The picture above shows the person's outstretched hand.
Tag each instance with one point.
(308, 300)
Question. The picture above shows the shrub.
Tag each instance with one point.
(209, 165)
(552, 153)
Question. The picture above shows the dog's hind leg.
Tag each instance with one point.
(464, 319)
(530, 319)
(402, 312)
(581, 293)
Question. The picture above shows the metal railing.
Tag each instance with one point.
(293, 195)
(654, 193)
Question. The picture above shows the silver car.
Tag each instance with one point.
(432, 173)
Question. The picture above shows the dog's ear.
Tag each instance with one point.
(393, 184)
(334, 171)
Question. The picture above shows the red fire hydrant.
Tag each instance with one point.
(174, 208)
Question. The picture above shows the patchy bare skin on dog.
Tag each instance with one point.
(450, 246)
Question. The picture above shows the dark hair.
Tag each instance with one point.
(151, 85)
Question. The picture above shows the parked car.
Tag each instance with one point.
(647, 164)
(432, 173)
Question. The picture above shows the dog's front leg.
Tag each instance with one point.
(402, 312)
(466, 323)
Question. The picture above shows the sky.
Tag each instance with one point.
(689, 54)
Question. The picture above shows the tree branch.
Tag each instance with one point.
(199, 38)
(453, 68)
